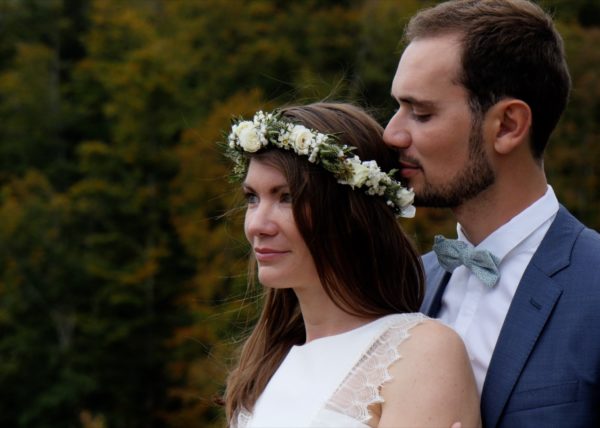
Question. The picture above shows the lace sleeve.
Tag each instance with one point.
(362, 386)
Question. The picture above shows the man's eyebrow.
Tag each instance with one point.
(415, 102)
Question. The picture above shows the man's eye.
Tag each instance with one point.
(421, 117)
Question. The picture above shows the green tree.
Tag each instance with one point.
(110, 270)
(573, 153)
(38, 352)
(122, 264)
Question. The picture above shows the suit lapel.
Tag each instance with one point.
(436, 281)
(529, 311)
(532, 305)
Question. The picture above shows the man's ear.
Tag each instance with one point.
(512, 119)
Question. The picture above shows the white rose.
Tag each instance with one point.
(360, 174)
(301, 138)
(237, 129)
(249, 138)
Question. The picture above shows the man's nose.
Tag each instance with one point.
(395, 134)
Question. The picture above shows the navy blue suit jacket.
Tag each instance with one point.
(545, 369)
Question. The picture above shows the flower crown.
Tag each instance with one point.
(323, 149)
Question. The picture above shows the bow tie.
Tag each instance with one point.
(452, 253)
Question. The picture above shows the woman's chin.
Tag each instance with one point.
(270, 281)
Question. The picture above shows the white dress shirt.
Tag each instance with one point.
(476, 311)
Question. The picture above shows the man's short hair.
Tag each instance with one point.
(510, 48)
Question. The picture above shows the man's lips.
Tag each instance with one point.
(268, 254)
(409, 169)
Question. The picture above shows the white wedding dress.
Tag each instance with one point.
(331, 381)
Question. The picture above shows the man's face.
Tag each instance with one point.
(442, 149)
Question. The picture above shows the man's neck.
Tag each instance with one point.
(481, 216)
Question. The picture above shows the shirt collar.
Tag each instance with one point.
(516, 230)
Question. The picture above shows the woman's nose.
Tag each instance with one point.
(259, 221)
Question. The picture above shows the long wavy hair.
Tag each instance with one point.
(366, 263)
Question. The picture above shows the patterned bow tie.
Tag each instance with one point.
(452, 253)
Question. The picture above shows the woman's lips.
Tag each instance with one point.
(268, 254)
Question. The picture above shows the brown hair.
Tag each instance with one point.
(366, 263)
(510, 49)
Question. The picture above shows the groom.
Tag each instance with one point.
(480, 87)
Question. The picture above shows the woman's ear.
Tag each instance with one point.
(512, 118)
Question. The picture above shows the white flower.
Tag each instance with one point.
(284, 139)
(266, 129)
(240, 127)
(301, 139)
(405, 196)
(248, 137)
(231, 139)
(360, 174)
(313, 156)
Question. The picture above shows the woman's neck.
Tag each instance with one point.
(323, 318)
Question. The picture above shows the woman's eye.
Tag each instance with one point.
(251, 198)
(286, 198)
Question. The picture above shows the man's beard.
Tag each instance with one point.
(470, 182)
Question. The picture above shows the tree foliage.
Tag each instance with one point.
(122, 258)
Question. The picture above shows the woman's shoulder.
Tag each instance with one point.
(417, 338)
(432, 352)
(431, 331)
(434, 371)
(427, 334)
(433, 339)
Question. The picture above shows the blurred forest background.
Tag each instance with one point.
(122, 282)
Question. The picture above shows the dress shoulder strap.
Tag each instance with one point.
(361, 388)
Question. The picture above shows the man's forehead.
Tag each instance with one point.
(427, 62)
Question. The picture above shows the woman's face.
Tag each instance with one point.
(284, 260)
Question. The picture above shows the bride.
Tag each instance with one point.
(339, 342)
